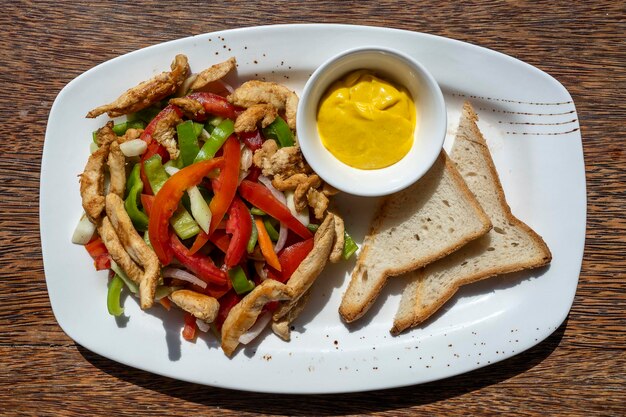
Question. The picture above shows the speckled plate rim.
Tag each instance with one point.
(531, 125)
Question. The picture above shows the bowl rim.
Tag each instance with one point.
(362, 188)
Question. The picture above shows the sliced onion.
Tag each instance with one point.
(268, 183)
(133, 147)
(256, 329)
(303, 216)
(182, 90)
(203, 326)
(199, 208)
(259, 267)
(132, 286)
(205, 135)
(282, 238)
(171, 170)
(246, 162)
(183, 275)
(246, 158)
(84, 231)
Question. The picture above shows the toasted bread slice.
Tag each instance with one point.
(412, 228)
(510, 246)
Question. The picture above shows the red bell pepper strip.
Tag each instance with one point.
(239, 225)
(166, 202)
(102, 262)
(227, 302)
(220, 239)
(190, 329)
(254, 174)
(253, 140)
(201, 240)
(99, 254)
(259, 196)
(96, 247)
(166, 303)
(292, 256)
(228, 179)
(146, 135)
(202, 266)
(216, 291)
(216, 105)
(153, 146)
(146, 203)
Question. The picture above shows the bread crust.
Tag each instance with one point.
(543, 257)
(349, 312)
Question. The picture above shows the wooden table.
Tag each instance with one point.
(576, 371)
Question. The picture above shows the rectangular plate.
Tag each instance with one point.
(530, 122)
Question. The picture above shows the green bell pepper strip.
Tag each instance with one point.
(257, 212)
(121, 128)
(349, 246)
(113, 296)
(253, 237)
(241, 283)
(216, 140)
(280, 132)
(133, 190)
(197, 128)
(271, 230)
(183, 223)
(155, 172)
(187, 142)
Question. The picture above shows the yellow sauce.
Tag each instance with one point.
(365, 121)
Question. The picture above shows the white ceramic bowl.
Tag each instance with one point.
(429, 132)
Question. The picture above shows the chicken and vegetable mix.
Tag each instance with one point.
(201, 199)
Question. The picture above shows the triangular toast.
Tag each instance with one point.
(510, 246)
(412, 228)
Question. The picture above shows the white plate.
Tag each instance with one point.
(531, 125)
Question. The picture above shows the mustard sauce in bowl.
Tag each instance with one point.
(371, 121)
(365, 121)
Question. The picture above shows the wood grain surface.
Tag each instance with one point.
(579, 370)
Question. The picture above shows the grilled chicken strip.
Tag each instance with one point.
(193, 109)
(148, 92)
(92, 178)
(337, 251)
(213, 73)
(259, 92)
(282, 327)
(202, 306)
(117, 251)
(165, 131)
(117, 170)
(138, 250)
(309, 269)
(243, 315)
(247, 121)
